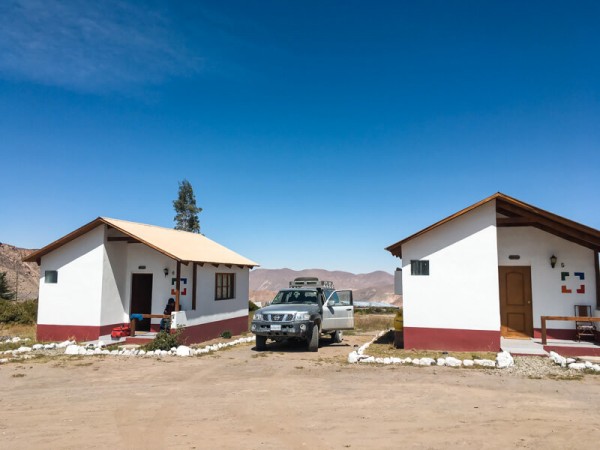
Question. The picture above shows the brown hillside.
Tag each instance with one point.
(27, 274)
(373, 287)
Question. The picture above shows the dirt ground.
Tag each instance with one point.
(286, 398)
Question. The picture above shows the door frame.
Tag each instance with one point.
(504, 330)
(145, 324)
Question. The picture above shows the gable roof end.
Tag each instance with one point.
(519, 213)
(179, 245)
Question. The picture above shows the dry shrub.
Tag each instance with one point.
(373, 322)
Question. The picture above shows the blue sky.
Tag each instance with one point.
(314, 133)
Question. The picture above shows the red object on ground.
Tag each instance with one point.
(120, 331)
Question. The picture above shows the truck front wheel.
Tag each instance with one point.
(261, 343)
(313, 343)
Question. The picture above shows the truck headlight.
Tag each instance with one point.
(258, 317)
(302, 316)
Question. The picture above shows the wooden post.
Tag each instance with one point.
(177, 285)
(544, 330)
(132, 327)
(194, 276)
(597, 270)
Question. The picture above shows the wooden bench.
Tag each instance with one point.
(147, 316)
(565, 318)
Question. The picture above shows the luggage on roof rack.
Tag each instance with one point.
(311, 282)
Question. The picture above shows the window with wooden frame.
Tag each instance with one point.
(224, 286)
(419, 267)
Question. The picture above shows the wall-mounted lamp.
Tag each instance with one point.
(166, 271)
(553, 260)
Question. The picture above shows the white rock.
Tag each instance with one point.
(164, 353)
(441, 361)
(50, 346)
(577, 366)
(571, 360)
(184, 350)
(453, 362)
(65, 344)
(114, 352)
(72, 350)
(504, 359)
(3, 360)
(485, 362)
(396, 360)
(427, 361)
(468, 362)
(142, 352)
(16, 339)
(596, 367)
(101, 344)
(353, 357)
(37, 346)
(588, 365)
(23, 349)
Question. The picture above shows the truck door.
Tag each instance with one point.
(338, 311)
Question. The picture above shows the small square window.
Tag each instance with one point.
(51, 276)
(419, 267)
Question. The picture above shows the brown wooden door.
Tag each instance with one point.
(141, 298)
(516, 315)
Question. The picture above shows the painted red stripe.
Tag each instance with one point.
(451, 339)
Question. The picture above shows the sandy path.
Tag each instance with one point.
(285, 398)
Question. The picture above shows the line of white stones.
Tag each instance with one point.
(503, 359)
(71, 348)
(572, 363)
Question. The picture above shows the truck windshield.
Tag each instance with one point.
(295, 297)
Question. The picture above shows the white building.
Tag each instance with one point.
(94, 278)
(493, 269)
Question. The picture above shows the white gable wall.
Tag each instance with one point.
(75, 299)
(535, 247)
(462, 289)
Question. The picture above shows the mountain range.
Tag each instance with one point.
(371, 287)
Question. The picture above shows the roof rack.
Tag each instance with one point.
(311, 282)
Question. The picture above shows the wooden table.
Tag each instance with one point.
(566, 318)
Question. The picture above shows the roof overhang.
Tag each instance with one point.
(518, 214)
(129, 236)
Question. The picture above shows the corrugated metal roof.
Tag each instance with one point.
(179, 245)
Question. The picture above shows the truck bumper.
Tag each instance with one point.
(282, 330)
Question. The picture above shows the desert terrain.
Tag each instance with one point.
(286, 398)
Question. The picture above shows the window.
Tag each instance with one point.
(419, 267)
(51, 276)
(224, 286)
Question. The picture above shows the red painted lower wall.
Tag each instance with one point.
(556, 333)
(451, 339)
(208, 331)
(45, 333)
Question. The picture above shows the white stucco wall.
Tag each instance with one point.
(114, 282)
(461, 291)
(210, 310)
(535, 247)
(75, 299)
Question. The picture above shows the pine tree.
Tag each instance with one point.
(5, 292)
(186, 218)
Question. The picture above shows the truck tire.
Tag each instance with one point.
(337, 336)
(313, 343)
(261, 343)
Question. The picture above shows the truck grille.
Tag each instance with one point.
(279, 317)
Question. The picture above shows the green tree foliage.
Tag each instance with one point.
(5, 292)
(186, 218)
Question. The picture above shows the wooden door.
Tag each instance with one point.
(141, 298)
(516, 314)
